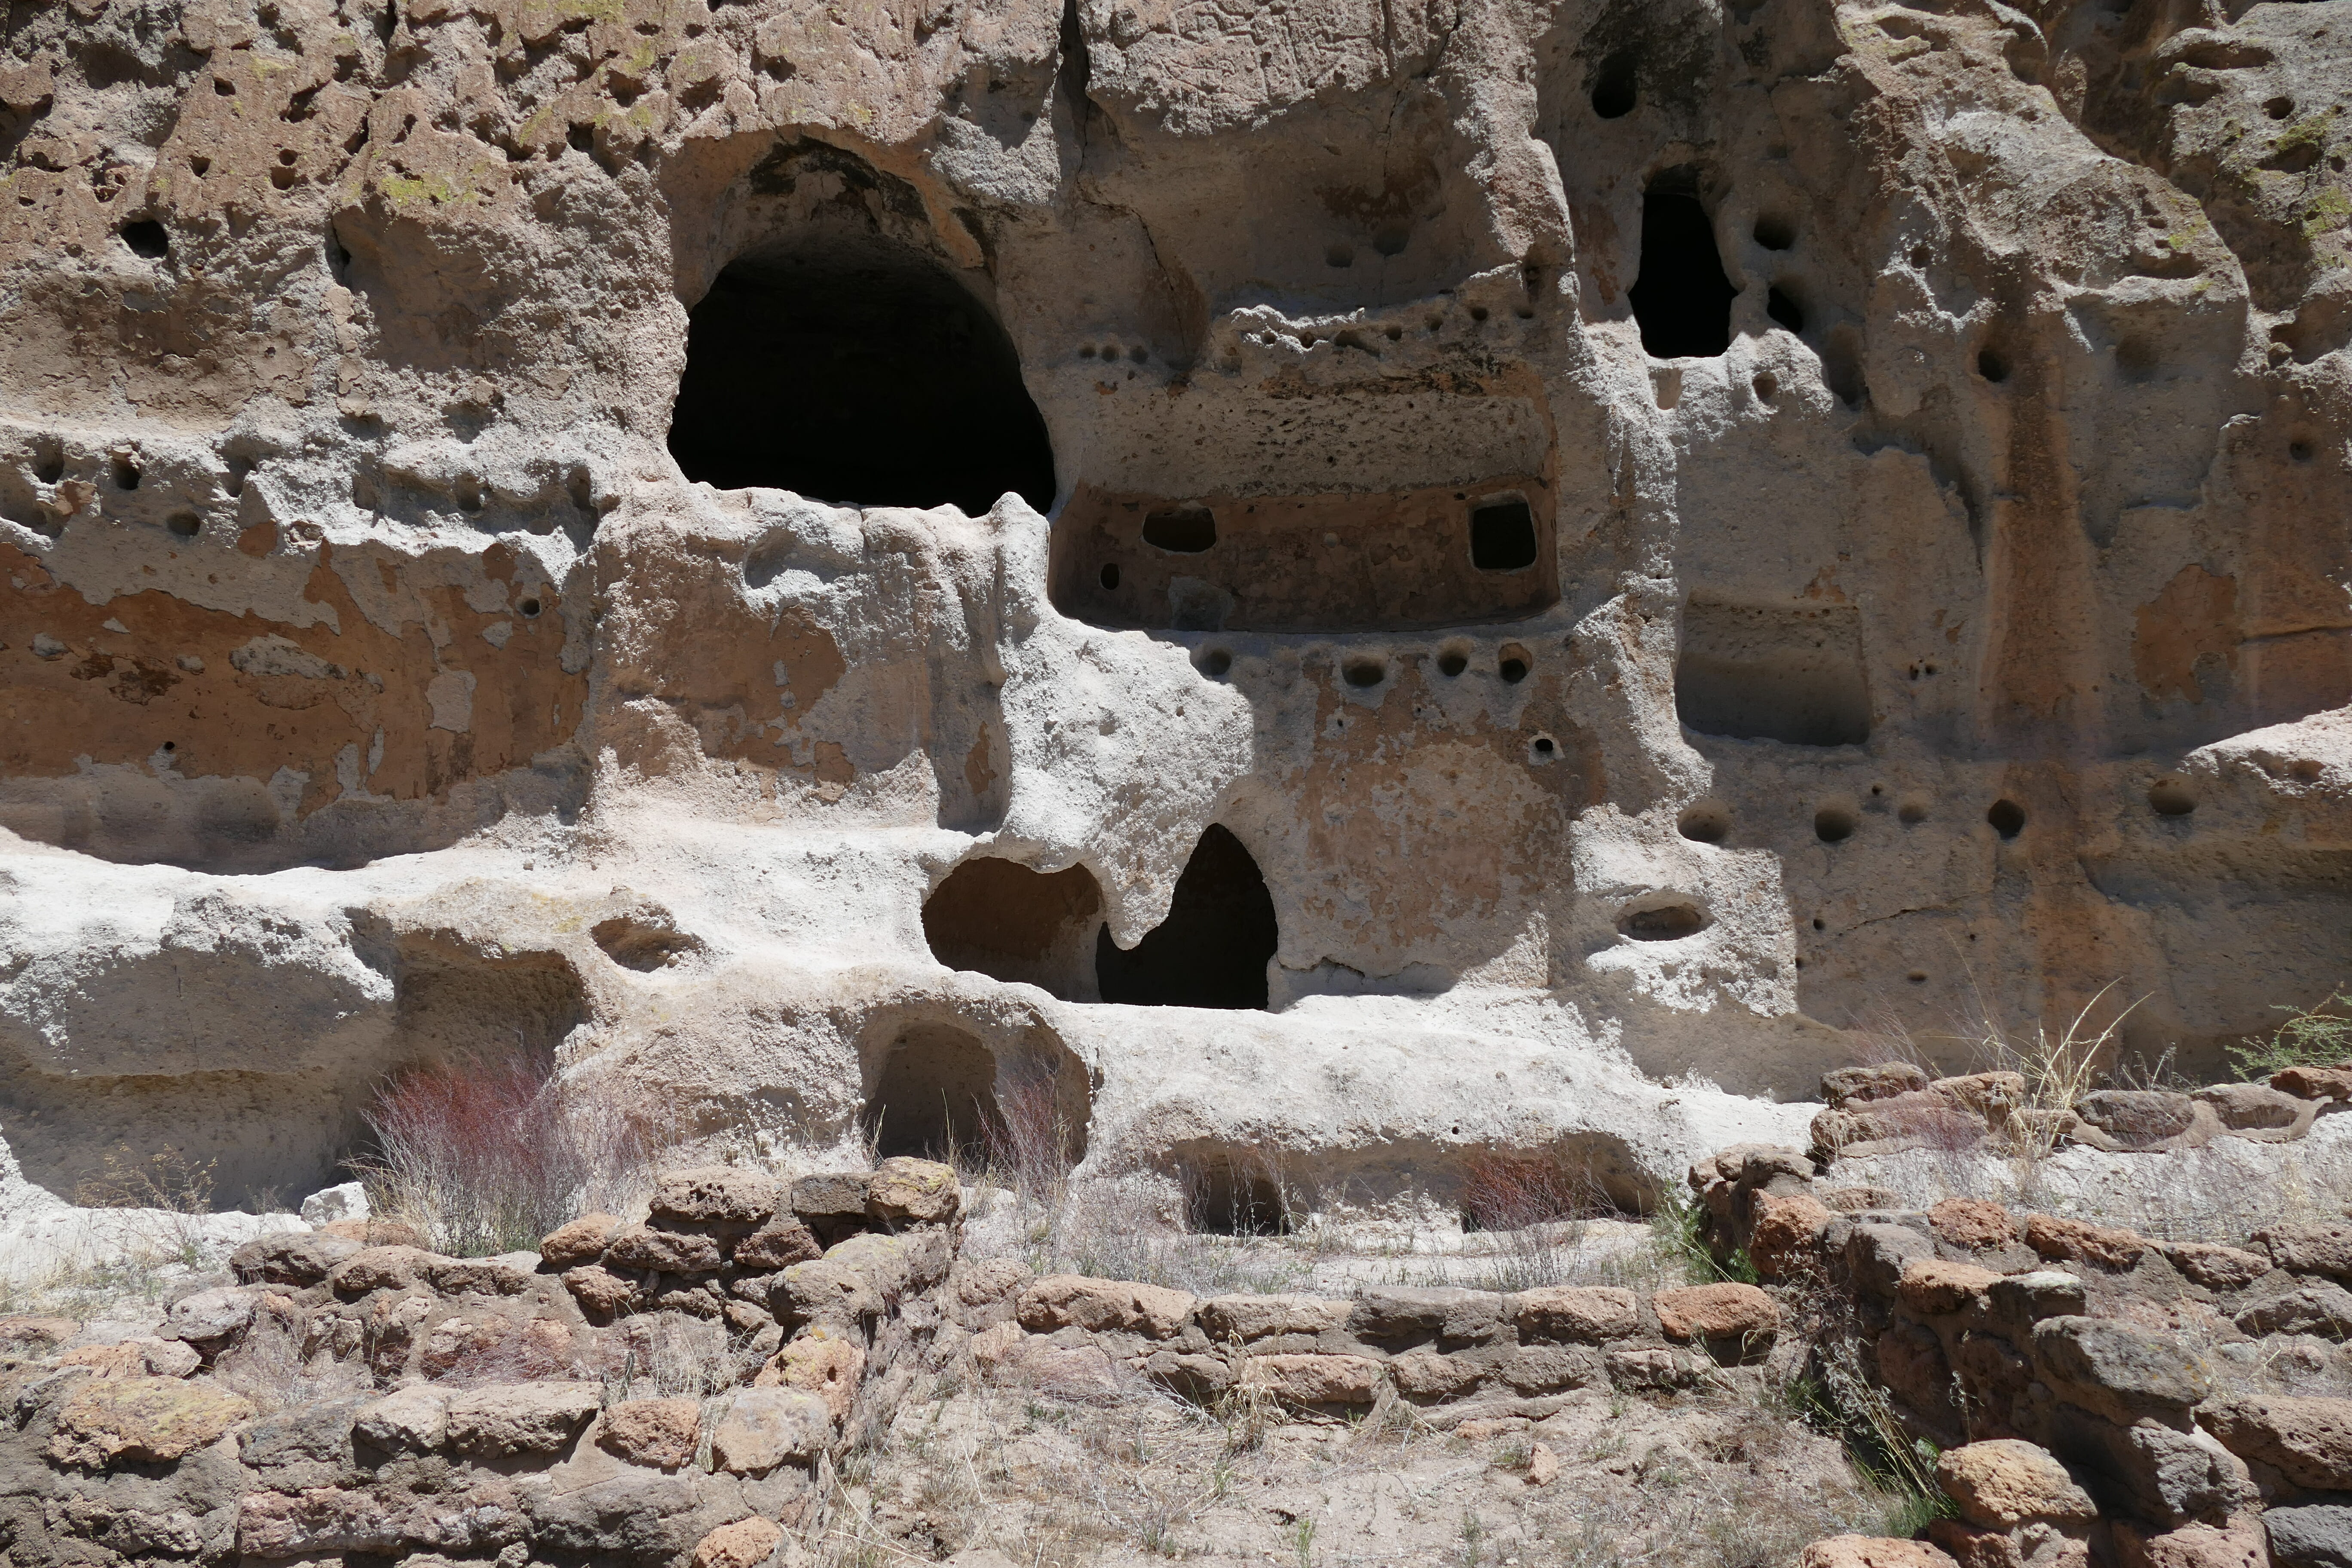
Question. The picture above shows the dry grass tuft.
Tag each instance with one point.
(487, 1156)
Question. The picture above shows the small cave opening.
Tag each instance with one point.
(1681, 298)
(1232, 1195)
(1616, 86)
(1001, 919)
(2006, 817)
(1181, 531)
(856, 373)
(1503, 535)
(934, 1097)
(1212, 949)
(147, 238)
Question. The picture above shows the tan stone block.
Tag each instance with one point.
(2305, 1438)
(1784, 1234)
(660, 1432)
(143, 1420)
(1725, 1311)
(923, 1191)
(1314, 1379)
(1075, 1300)
(583, 1240)
(1936, 1288)
(746, 1543)
(819, 1360)
(2072, 1241)
(1978, 1225)
(1592, 1314)
(2239, 1545)
(2006, 1481)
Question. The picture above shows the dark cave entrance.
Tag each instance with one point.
(935, 1096)
(1234, 1196)
(1681, 298)
(1212, 949)
(1001, 919)
(857, 373)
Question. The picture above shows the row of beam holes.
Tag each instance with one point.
(1709, 823)
(1109, 351)
(1512, 664)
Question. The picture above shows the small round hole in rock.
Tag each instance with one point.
(1921, 255)
(187, 525)
(148, 238)
(1615, 87)
(1918, 977)
(1774, 232)
(1514, 665)
(1704, 822)
(1993, 364)
(125, 474)
(2279, 108)
(1911, 813)
(1215, 662)
(1453, 662)
(2299, 451)
(1111, 575)
(1364, 672)
(1340, 256)
(1834, 823)
(529, 609)
(1663, 923)
(2008, 818)
(2170, 797)
(1767, 385)
(2306, 770)
(1546, 748)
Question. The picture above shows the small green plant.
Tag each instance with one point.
(1474, 1533)
(1842, 1400)
(1302, 1541)
(2312, 1036)
(1678, 1232)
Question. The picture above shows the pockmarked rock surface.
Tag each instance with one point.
(1379, 580)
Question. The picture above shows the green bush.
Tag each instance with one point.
(2311, 1038)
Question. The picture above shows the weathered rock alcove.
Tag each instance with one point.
(857, 373)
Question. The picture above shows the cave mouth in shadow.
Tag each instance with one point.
(1681, 298)
(856, 373)
(1007, 921)
(935, 1097)
(1212, 949)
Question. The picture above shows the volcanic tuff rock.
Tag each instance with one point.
(812, 562)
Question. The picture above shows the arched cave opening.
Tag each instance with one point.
(935, 1096)
(1212, 949)
(1230, 1194)
(1001, 919)
(861, 373)
(1682, 299)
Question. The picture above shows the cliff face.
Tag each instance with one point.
(814, 559)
